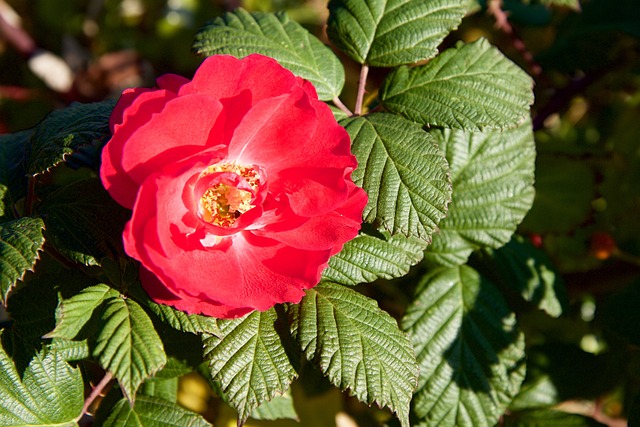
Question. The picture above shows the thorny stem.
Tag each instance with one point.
(97, 390)
(338, 103)
(364, 71)
(494, 7)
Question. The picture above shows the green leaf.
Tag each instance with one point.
(471, 87)
(548, 418)
(70, 350)
(402, 171)
(191, 323)
(386, 33)
(241, 33)
(83, 222)
(278, 408)
(357, 345)
(492, 174)
(20, 241)
(520, 267)
(64, 131)
(249, 361)
(50, 393)
(73, 314)
(469, 348)
(127, 344)
(166, 389)
(151, 411)
(367, 258)
(13, 178)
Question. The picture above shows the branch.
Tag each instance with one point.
(494, 7)
(97, 391)
(364, 71)
(336, 101)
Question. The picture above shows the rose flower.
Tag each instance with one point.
(239, 182)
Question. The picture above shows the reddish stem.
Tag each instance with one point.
(97, 391)
(364, 71)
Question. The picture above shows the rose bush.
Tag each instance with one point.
(239, 182)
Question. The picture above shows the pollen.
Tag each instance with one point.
(223, 203)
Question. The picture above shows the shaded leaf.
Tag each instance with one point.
(64, 131)
(471, 87)
(469, 348)
(20, 241)
(564, 191)
(241, 33)
(151, 411)
(621, 314)
(548, 418)
(520, 267)
(280, 407)
(50, 393)
(367, 258)
(404, 174)
(492, 174)
(387, 33)
(13, 178)
(83, 222)
(358, 346)
(249, 361)
(571, 4)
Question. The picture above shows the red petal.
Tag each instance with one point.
(144, 143)
(223, 76)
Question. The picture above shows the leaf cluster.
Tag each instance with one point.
(446, 154)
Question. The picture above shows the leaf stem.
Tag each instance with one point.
(338, 103)
(97, 390)
(364, 71)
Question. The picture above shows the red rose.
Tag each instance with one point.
(239, 182)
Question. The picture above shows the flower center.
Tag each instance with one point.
(229, 194)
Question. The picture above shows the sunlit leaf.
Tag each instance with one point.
(20, 242)
(471, 87)
(127, 345)
(387, 33)
(469, 348)
(404, 174)
(50, 392)
(358, 346)
(151, 411)
(367, 258)
(249, 361)
(241, 33)
(73, 313)
(492, 175)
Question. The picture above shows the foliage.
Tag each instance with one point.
(469, 298)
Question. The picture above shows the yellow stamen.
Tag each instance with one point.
(222, 204)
